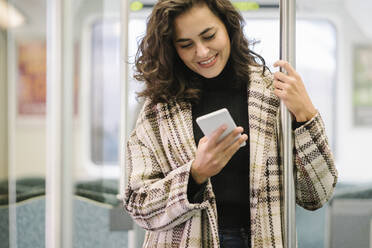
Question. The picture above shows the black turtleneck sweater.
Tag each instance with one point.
(231, 185)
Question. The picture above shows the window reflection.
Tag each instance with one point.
(105, 92)
(105, 87)
(315, 59)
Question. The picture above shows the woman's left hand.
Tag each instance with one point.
(291, 90)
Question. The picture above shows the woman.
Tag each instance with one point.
(195, 59)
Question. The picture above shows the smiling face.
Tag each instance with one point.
(201, 41)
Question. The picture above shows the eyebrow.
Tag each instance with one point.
(203, 32)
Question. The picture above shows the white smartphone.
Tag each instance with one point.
(210, 122)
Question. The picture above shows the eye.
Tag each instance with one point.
(210, 37)
(186, 46)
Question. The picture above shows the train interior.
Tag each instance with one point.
(333, 56)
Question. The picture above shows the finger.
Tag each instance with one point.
(232, 149)
(203, 140)
(280, 85)
(229, 139)
(281, 94)
(217, 133)
(287, 66)
(282, 77)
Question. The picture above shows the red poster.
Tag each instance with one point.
(32, 70)
(32, 78)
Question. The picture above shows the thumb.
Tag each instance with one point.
(203, 140)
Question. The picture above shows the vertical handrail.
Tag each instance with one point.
(53, 133)
(59, 184)
(287, 52)
(67, 123)
(12, 170)
(124, 19)
(124, 129)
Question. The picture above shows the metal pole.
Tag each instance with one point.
(124, 19)
(59, 124)
(53, 155)
(287, 52)
(124, 127)
(11, 139)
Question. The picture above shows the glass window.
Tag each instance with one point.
(105, 91)
(105, 87)
(315, 59)
(137, 29)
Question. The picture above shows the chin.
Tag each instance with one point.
(211, 74)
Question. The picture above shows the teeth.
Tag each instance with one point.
(208, 61)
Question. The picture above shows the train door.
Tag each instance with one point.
(60, 79)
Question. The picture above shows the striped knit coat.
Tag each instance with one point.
(159, 156)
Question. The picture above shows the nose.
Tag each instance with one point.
(201, 50)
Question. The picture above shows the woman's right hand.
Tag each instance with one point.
(212, 156)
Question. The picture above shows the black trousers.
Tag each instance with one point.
(234, 238)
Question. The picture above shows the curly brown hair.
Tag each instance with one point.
(157, 61)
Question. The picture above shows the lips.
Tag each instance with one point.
(209, 62)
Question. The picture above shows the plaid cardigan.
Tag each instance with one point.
(158, 161)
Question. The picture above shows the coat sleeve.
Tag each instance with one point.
(156, 199)
(315, 172)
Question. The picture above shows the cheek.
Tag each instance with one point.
(227, 45)
(184, 55)
(224, 43)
